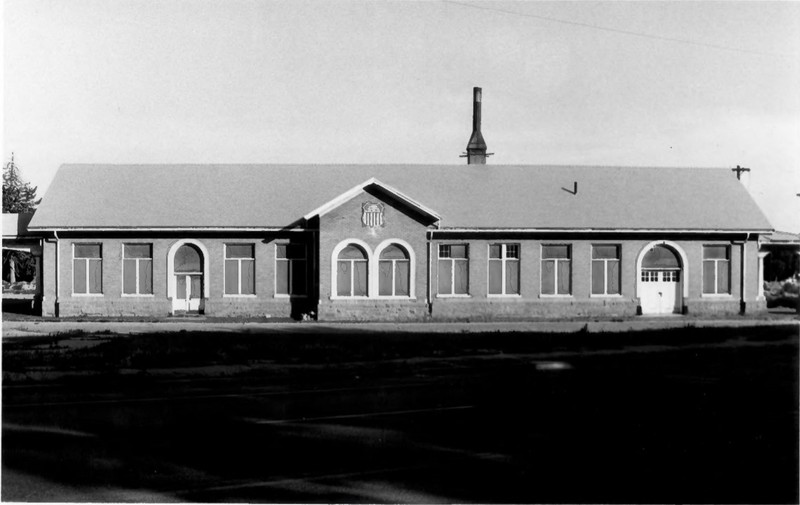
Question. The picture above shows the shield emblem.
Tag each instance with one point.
(372, 215)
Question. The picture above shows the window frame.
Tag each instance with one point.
(728, 260)
(452, 262)
(605, 261)
(239, 261)
(87, 260)
(394, 261)
(337, 251)
(503, 259)
(138, 260)
(291, 262)
(556, 294)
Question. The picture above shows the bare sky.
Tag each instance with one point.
(611, 83)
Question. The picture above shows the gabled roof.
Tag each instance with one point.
(16, 225)
(782, 238)
(373, 183)
(463, 196)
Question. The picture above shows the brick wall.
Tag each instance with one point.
(113, 302)
(405, 226)
(402, 226)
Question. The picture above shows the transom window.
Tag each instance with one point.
(351, 272)
(605, 270)
(290, 269)
(240, 269)
(556, 270)
(665, 275)
(137, 269)
(453, 269)
(716, 269)
(393, 272)
(671, 276)
(662, 257)
(87, 271)
(188, 260)
(504, 269)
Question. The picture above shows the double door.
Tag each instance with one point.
(188, 292)
(660, 291)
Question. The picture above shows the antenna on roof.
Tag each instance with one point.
(739, 171)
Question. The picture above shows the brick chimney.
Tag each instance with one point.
(476, 149)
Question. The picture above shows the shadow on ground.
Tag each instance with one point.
(603, 420)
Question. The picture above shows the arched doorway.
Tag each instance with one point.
(660, 281)
(188, 279)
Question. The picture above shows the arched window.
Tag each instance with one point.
(351, 272)
(393, 272)
(188, 259)
(660, 257)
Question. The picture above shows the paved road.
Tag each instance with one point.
(713, 422)
(41, 327)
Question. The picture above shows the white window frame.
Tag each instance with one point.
(717, 261)
(87, 260)
(605, 293)
(555, 272)
(503, 259)
(452, 267)
(291, 266)
(150, 259)
(334, 269)
(411, 266)
(225, 260)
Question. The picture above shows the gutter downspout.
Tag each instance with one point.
(58, 273)
(430, 276)
(743, 280)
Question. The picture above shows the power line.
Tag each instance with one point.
(623, 32)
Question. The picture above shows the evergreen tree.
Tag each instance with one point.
(18, 196)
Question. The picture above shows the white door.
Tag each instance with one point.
(660, 291)
(188, 292)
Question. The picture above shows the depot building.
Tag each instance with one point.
(398, 242)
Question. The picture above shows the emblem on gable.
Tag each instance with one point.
(372, 215)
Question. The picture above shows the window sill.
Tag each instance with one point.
(715, 295)
(454, 296)
(289, 296)
(606, 296)
(239, 296)
(387, 297)
(337, 297)
(556, 296)
(88, 295)
(133, 295)
(495, 295)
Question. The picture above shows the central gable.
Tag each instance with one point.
(375, 199)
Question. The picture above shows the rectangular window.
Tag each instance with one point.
(556, 270)
(240, 269)
(137, 269)
(87, 272)
(716, 270)
(504, 269)
(290, 269)
(453, 269)
(605, 270)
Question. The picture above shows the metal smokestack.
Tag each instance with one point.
(476, 149)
